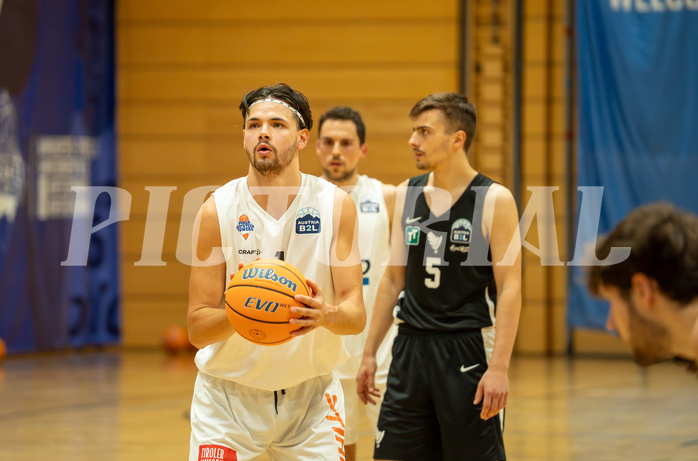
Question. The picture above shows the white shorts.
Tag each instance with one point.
(354, 408)
(230, 421)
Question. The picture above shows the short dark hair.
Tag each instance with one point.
(663, 242)
(460, 113)
(282, 92)
(345, 113)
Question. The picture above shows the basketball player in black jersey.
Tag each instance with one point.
(448, 381)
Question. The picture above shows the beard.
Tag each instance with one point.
(427, 162)
(274, 163)
(339, 176)
(649, 342)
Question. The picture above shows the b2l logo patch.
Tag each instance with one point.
(369, 206)
(308, 221)
(460, 231)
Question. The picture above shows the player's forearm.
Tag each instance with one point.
(508, 312)
(386, 299)
(208, 325)
(348, 317)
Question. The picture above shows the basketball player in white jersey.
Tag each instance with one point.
(282, 400)
(341, 145)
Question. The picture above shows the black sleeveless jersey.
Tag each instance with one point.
(443, 292)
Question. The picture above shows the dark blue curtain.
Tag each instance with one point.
(638, 116)
(56, 132)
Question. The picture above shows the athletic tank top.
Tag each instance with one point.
(441, 292)
(374, 238)
(302, 236)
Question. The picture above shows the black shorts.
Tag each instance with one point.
(428, 410)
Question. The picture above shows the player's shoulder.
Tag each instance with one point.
(387, 189)
(389, 192)
(230, 188)
(312, 181)
(497, 193)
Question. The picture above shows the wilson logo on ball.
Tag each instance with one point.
(268, 274)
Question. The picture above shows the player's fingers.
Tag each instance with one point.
(361, 388)
(313, 303)
(314, 287)
(305, 321)
(240, 266)
(497, 402)
(302, 331)
(478, 394)
(486, 406)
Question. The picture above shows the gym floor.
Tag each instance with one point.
(132, 405)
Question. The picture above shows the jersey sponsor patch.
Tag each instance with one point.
(412, 235)
(216, 453)
(369, 206)
(460, 231)
(434, 241)
(308, 221)
(245, 227)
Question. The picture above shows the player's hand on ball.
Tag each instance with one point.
(313, 316)
(240, 266)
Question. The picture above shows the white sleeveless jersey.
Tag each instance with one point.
(302, 237)
(374, 236)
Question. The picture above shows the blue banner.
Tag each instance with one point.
(638, 116)
(56, 133)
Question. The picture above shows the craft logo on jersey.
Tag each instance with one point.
(308, 221)
(412, 235)
(369, 206)
(245, 226)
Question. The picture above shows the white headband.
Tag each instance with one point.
(298, 114)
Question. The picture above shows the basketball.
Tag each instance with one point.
(175, 339)
(3, 349)
(259, 298)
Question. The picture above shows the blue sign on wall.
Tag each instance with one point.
(638, 116)
(56, 132)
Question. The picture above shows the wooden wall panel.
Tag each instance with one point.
(218, 45)
(543, 164)
(183, 68)
(279, 11)
(228, 85)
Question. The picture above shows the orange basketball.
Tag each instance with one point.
(3, 349)
(175, 339)
(259, 298)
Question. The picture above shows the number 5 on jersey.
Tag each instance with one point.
(434, 271)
